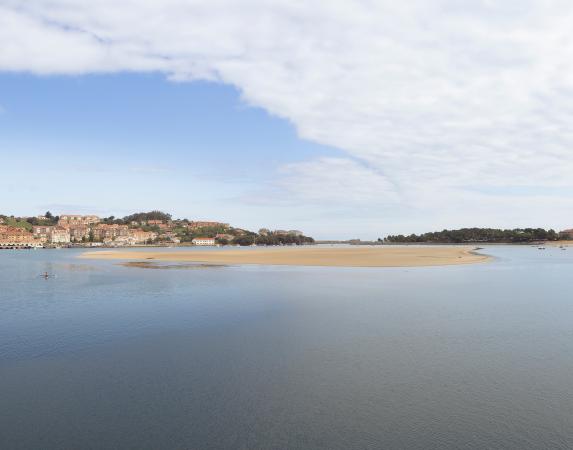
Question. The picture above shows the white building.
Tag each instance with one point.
(59, 235)
(203, 241)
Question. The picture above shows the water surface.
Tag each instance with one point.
(110, 357)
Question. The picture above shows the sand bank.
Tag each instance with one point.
(307, 256)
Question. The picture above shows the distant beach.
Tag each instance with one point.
(308, 256)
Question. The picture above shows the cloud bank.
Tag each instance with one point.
(443, 107)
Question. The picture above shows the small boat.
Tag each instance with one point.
(540, 248)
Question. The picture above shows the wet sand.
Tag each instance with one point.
(406, 256)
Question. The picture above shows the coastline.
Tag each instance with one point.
(558, 243)
(406, 256)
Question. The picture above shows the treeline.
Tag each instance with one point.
(50, 219)
(274, 239)
(475, 235)
(187, 235)
(145, 216)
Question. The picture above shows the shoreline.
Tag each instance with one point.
(308, 256)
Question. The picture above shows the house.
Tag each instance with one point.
(53, 234)
(172, 237)
(42, 232)
(142, 237)
(71, 219)
(203, 241)
(227, 237)
(122, 241)
(79, 232)
(154, 222)
(59, 235)
(566, 234)
(104, 231)
(17, 237)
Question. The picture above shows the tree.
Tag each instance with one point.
(145, 216)
(245, 240)
(476, 235)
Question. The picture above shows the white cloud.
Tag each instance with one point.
(336, 181)
(424, 97)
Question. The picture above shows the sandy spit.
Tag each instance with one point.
(308, 256)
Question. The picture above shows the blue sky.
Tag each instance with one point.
(341, 118)
(114, 144)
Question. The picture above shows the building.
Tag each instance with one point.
(59, 235)
(566, 234)
(71, 220)
(197, 225)
(142, 237)
(227, 237)
(154, 222)
(42, 232)
(121, 241)
(17, 237)
(53, 234)
(79, 233)
(104, 231)
(172, 237)
(203, 241)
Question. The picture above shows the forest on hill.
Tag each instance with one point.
(475, 235)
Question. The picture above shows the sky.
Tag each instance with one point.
(343, 119)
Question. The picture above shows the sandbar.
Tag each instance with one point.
(376, 256)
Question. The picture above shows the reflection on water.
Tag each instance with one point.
(70, 267)
(107, 356)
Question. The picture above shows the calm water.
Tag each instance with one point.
(109, 357)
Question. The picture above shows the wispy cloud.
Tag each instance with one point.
(424, 97)
(332, 181)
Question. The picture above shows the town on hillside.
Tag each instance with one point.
(151, 228)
